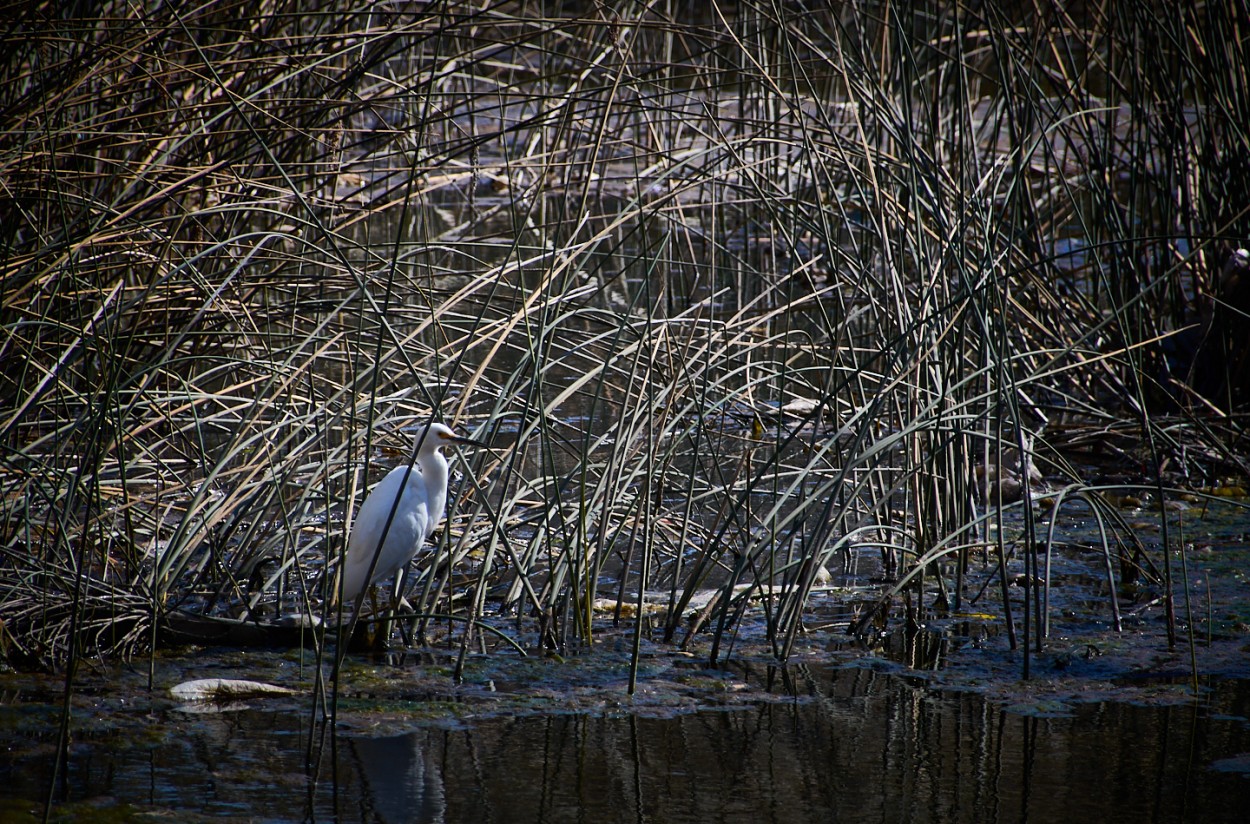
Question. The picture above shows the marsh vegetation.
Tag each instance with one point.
(752, 301)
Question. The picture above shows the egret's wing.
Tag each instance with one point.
(366, 534)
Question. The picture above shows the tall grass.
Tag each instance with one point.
(742, 294)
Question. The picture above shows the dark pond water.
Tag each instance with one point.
(844, 745)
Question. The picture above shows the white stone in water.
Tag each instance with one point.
(225, 689)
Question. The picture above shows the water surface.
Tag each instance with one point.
(820, 744)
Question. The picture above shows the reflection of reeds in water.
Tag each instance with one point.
(739, 292)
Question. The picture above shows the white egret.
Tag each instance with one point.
(417, 496)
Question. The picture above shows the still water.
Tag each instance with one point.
(844, 745)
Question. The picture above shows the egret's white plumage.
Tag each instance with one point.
(422, 498)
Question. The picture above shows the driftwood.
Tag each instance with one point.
(225, 689)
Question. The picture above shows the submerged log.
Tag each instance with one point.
(183, 628)
(180, 628)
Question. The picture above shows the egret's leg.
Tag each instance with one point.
(361, 639)
(401, 603)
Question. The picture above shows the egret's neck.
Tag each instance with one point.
(434, 472)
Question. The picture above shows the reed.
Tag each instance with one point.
(744, 295)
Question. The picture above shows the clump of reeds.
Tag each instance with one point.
(748, 297)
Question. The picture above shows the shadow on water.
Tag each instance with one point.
(808, 744)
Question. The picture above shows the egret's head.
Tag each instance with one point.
(438, 435)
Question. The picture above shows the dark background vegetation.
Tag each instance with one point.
(743, 294)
